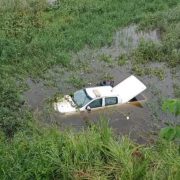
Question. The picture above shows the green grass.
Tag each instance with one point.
(177, 90)
(106, 59)
(167, 50)
(122, 59)
(77, 82)
(148, 71)
(91, 154)
(35, 38)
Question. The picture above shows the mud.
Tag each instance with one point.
(89, 69)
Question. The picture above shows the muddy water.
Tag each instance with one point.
(129, 119)
(89, 69)
(51, 2)
(132, 119)
(37, 94)
(126, 39)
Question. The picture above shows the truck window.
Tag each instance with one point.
(111, 101)
(96, 103)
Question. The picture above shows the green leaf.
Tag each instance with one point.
(168, 133)
(172, 106)
(177, 131)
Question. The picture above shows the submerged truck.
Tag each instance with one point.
(98, 97)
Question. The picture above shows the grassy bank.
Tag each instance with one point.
(92, 154)
(35, 37)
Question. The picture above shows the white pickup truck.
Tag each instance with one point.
(100, 97)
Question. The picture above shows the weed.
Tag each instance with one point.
(83, 66)
(122, 60)
(138, 70)
(171, 132)
(106, 58)
(158, 73)
(168, 25)
(77, 82)
(56, 98)
(142, 71)
(107, 76)
(63, 59)
(147, 51)
(176, 90)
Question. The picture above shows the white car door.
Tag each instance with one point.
(129, 88)
(95, 104)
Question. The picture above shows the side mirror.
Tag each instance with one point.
(88, 108)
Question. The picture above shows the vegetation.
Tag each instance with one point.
(35, 37)
(168, 25)
(166, 50)
(123, 59)
(91, 154)
(106, 58)
(77, 82)
(142, 71)
(173, 131)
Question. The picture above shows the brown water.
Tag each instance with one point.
(129, 119)
(38, 93)
(138, 125)
(87, 67)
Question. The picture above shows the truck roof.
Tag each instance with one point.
(100, 91)
(126, 90)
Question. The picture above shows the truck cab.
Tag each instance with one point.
(101, 96)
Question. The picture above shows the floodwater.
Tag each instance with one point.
(51, 2)
(143, 119)
(133, 119)
(124, 119)
(127, 39)
(37, 94)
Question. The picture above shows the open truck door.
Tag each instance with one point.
(129, 88)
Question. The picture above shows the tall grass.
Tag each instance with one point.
(91, 154)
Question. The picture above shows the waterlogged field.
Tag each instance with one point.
(50, 50)
(90, 66)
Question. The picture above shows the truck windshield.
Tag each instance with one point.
(81, 98)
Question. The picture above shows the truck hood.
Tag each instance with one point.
(65, 105)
